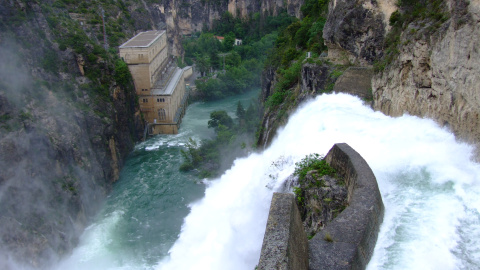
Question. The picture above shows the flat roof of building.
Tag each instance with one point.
(172, 84)
(143, 39)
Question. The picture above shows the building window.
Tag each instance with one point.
(160, 100)
(145, 100)
(162, 115)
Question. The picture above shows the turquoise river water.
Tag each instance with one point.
(159, 218)
(143, 215)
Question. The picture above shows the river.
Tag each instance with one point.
(158, 218)
(143, 214)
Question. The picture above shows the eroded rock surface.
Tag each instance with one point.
(355, 30)
(321, 200)
(436, 74)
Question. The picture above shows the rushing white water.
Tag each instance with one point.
(429, 186)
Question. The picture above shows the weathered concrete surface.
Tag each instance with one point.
(356, 81)
(285, 242)
(348, 241)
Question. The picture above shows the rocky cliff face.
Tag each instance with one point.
(436, 73)
(244, 8)
(431, 70)
(355, 30)
(67, 122)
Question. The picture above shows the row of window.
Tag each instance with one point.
(145, 100)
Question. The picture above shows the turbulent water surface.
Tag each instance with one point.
(143, 215)
(429, 186)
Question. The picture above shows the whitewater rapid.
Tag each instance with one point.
(429, 185)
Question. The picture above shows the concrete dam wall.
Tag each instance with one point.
(347, 242)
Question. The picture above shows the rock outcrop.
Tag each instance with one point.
(436, 72)
(355, 30)
(433, 72)
(66, 127)
(321, 199)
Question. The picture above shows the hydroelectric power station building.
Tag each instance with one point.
(159, 83)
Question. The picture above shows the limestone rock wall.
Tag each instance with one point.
(355, 30)
(437, 76)
(435, 73)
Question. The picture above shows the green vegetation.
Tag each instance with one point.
(83, 35)
(122, 73)
(291, 47)
(313, 162)
(411, 16)
(301, 36)
(229, 69)
(299, 195)
(210, 157)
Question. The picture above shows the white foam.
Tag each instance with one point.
(425, 177)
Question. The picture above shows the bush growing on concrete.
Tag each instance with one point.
(312, 162)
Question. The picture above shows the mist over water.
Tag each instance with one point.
(428, 184)
(142, 216)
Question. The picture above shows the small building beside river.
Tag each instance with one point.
(159, 83)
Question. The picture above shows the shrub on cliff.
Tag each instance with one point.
(313, 162)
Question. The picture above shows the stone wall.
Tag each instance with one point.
(356, 81)
(347, 242)
(285, 243)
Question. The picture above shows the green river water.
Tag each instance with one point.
(143, 215)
